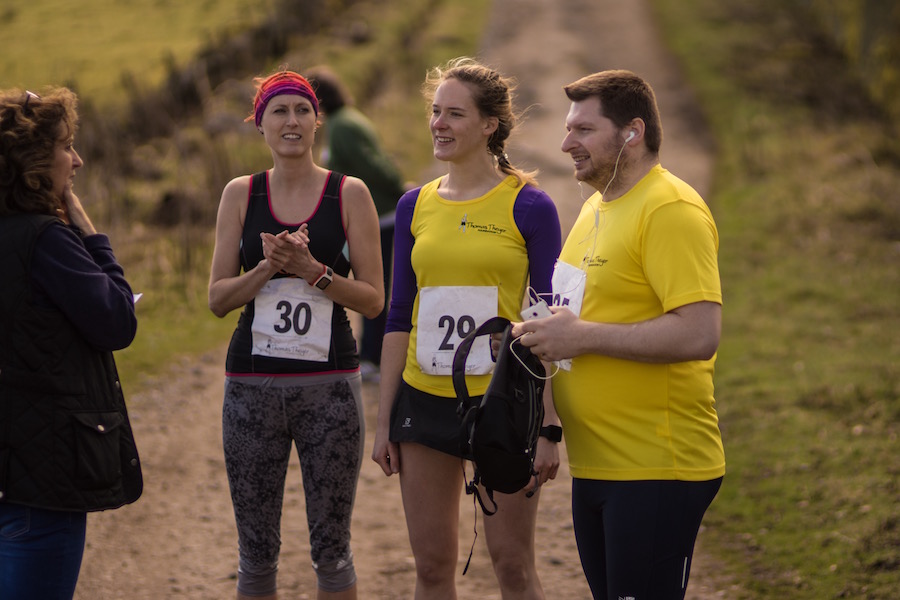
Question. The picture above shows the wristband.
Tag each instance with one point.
(325, 278)
(316, 280)
(552, 433)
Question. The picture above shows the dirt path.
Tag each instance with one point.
(179, 540)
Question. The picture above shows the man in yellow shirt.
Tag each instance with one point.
(635, 328)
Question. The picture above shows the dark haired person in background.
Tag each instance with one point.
(66, 446)
(352, 147)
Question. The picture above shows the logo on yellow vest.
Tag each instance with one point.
(465, 224)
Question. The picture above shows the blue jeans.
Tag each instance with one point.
(40, 552)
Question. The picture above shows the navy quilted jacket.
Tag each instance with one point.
(65, 438)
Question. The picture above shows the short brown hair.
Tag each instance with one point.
(623, 96)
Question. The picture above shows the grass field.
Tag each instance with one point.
(91, 44)
(808, 374)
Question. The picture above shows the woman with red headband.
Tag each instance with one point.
(286, 241)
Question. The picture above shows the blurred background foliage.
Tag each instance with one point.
(868, 34)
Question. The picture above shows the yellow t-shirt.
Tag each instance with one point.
(471, 243)
(650, 251)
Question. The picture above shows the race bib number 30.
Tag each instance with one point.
(292, 320)
(447, 314)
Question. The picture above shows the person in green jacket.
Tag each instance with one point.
(352, 147)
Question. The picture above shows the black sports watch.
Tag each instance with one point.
(325, 278)
(552, 433)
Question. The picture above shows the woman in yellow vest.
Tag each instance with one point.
(466, 245)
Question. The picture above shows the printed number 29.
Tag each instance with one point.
(297, 318)
(463, 327)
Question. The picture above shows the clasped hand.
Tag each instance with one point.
(288, 253)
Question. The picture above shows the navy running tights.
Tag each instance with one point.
(636, 538)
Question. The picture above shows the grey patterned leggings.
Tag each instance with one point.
(261, 418)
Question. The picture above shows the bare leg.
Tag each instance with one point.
(431, 483)
(510, 540)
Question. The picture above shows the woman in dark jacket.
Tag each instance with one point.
(66, 446)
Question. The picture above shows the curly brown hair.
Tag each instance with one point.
(30, 127)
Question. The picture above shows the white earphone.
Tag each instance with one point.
(630, 136)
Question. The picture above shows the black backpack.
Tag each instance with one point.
(499, 433)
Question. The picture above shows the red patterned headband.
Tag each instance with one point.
(284, 82)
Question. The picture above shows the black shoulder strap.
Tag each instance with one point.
(333, 188)
(492, 325)
(258, 199)
(258, 183)
(334, 183)
(466, 412)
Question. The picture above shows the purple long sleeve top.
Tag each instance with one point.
(535, 216)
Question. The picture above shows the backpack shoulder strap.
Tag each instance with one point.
(492, 325)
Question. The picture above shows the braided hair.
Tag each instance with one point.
(493, 95)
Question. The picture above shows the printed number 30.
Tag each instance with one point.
(463, 327)
(297, 318)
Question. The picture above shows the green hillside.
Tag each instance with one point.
(807, 200)
(91, 44)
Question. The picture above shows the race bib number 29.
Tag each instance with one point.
(447, 314)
